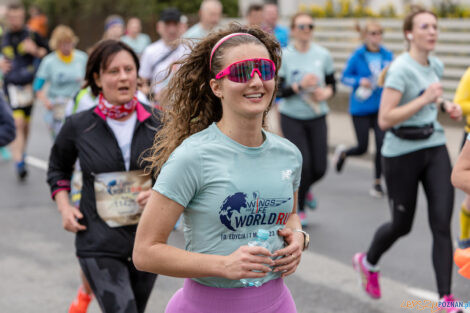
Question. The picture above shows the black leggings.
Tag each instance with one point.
(117, 285)
(432, 168)
(362, 124)
(310, 138)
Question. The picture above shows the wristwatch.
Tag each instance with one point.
(306, 238)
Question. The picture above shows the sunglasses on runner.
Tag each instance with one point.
(243, 71)
(375, 33)
(305, 26)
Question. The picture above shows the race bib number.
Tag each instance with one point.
(116, 195)
(20, 96)
(58, 108)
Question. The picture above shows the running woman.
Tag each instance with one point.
(307, 82)
(361, 73)
(109, 141)
(64, 70)
(414, 152)
(228, 177)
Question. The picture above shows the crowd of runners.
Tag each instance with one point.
(148, 135)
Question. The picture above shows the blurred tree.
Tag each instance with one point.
(86, 16)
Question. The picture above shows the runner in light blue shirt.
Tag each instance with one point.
(228, 177)
(412, 79)
(307, 82)
(229, 206)
(414, 154)
(134, 38)
(210, 14)
(63, 70)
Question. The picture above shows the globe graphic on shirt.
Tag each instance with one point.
(232, 204)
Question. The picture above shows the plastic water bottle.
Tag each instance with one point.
(363, 93)
(261, 240)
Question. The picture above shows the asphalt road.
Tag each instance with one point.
(39, 272)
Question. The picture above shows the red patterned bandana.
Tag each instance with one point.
(116, 111)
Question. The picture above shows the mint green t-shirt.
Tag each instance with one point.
(411, 79)
(229, 191)
(65, 79)
(317, 61)
(138, 44)
(196, 32)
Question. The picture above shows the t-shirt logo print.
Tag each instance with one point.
(254, 211)
(286, 174)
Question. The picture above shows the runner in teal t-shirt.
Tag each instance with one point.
(228, 177)
(134, 38)
(307, 82)
(210, 13)
(63, 70)
(414, 152)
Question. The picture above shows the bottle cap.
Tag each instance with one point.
(262, 234)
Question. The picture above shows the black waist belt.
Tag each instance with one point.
(414, 132)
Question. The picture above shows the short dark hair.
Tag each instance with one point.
(100, 58)
(254, 7)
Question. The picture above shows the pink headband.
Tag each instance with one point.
(221, 41)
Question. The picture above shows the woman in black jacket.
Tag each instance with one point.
(109, 141)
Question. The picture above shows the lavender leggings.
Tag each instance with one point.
(272, 297)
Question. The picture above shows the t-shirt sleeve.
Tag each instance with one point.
(438, 67)
(394, 79)
(43, 70)
(181, 176)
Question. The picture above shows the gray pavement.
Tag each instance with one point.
(39, 272)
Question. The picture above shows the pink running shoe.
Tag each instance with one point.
(369, 280)
(449, 307)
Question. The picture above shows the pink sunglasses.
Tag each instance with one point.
(243, 71)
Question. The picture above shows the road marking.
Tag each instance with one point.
(36, 162)
(332, 268)
(322, 270)
(422, 293)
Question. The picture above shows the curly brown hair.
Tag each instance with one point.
(189, 105)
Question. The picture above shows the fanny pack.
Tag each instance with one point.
(414, 132)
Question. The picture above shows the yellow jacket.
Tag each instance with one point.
(462, 97)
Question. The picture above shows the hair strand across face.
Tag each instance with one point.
(189, 105)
